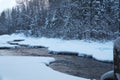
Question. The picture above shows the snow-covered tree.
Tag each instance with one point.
(69, 19)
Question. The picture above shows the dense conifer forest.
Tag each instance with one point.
(66, 19)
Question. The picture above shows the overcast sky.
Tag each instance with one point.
(5, 4)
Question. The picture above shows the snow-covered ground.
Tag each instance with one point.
(30, 68)
(100, 51)
(5, 38)
(34, 68)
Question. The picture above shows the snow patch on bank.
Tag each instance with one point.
(5, 38)
(100, 51)
(30, 68)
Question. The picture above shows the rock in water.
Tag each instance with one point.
(108, 76)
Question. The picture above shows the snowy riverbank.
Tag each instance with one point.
(30, 68)
(100, 51)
